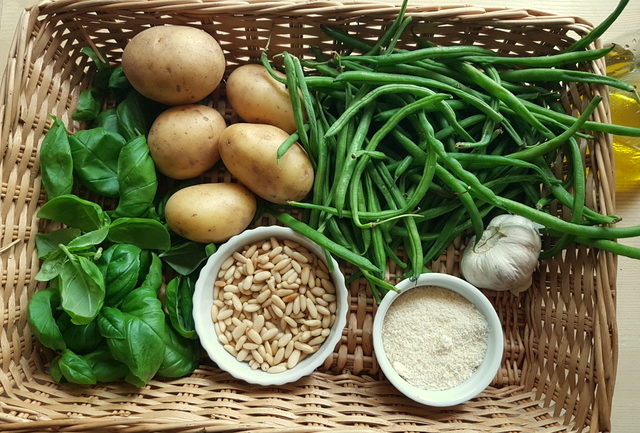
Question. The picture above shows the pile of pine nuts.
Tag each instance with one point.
(274, 304)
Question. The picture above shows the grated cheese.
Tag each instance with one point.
(434, 338)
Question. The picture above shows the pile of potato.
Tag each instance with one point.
(181, 66)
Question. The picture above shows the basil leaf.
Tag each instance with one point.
(118, 80)
(76, 369)
(144, 304)
(137, 179)
(95, 158)
(54, 370)
(88, 239)
(56, 164)
(82, 289)
(108, 120)
(179, 299)
(145, 233)
(120, 265)
(48, 242)
(88, 105)
(40, 318)
(105, 367)
(185, 257)
(210, 249)
(140, 348)
(74, 212)
(145, 264)
(101, 79)
(153, 279)
(79, 338)
(131, 117)
(52, 266)
(181, 355)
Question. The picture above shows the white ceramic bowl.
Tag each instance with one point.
(203, 301)
(485, 372)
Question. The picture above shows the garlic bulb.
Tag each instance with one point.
(506, 255)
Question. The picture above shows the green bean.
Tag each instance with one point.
(564, 75)
(342, 184)
(377, 241)
(549, 145)
(472, 160)
(450, 52)
(397, 33)
(540, 61)
(397, 23)
(357, 260)
(415, 85)
(349, 41)
(594, 34)
(286, 144)
(292, 85)
(503, 95)
(403, 166)
(611, 246)
(267, 65)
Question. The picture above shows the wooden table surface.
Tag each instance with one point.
(626, 404)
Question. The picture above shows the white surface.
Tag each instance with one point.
(203, 301)
(485, 372)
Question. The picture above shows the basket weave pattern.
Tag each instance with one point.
(560, 356)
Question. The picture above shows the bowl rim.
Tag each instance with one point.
(480, 379)
(205, 328)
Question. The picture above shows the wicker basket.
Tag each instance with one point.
(559, 365)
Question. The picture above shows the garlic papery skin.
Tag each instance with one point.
(505, 256)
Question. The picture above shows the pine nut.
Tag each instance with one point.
(247, 282)
(292, 361)
(323, 310)
(318, 291)
(290, 321)
(252, 249)
(278, 302)
(289, 349)
(277, 368)
(303, 347)
(312, 323)
(214, 313)
(284, 340)
(281, 264)
(257, 356)
(315, 332)
(239, 331)
(303, 303)
(250, 346)
(296, 305)
(316, 341)
(254, 336)
(325, 332)
(250, 308)
(296, 266)
(279, 356)
(274, 252)
(258, 323)
(226, 265)
(224, 314)
(242, 355)
(263, 296)
(304, 275)
(249, 268)
(290, 297)
(261, 276)
(237, 305)
(270, 333)
(329, 297)
(230, 349)
(223, 339)
(239, 257)
(311, 307)
(328, 286)
(240, 342)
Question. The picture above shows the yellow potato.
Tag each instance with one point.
(249, 152)
(183, 140)
(210, 212)
(258, 98)
(174, 65)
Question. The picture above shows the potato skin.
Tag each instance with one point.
(210, 212)
(249, 152)
(183, 140)
(258, 98)
(174, 65)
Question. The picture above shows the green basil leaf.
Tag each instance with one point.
(74, 212)
(48, 242)
(210, 249)
(144, 304)
(137, 179)
(141, 349)
(179, 299)
(145, 264)
(185, 257)
(132, 120)
(82, 289)
(145, 233)
(79, 338)
(56, 164)
(181, 355)
(105, 367)
(40, 317)
(89, 239)
(51, 267)
(103, 70)
(76, 369)
(118, 80)
(153, 278)
(95, 158)
(120, 265)
(108, 120)
(54, 370)
(88, 105)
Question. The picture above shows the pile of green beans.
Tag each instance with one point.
(414, 147)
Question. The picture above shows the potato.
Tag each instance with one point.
(258, 98)
(210, 212)
(173, 64)
(183, 140)
(249, 152)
